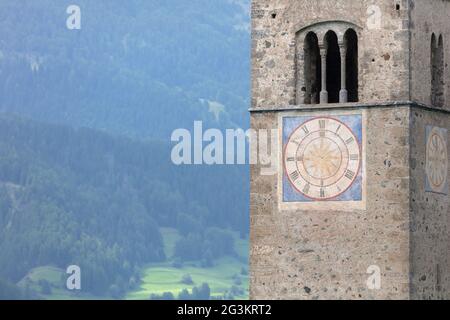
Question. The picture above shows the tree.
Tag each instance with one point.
(236, 291)
(187, 279)
(204, 292)
(164, 296)
(189, 248)
(115, 291)
(9, 291)
(207, 260)
(184, 295)
(219, 242)
(168, 296)
(187, 224)
(45, 287)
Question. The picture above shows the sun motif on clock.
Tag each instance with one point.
(436, 160)
(322, 159)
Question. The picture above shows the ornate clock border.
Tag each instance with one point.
(299, 201)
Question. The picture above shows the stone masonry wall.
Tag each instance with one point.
(430, 218)
(428, 17)
(383, 53)
(325, 254)
(310, 254)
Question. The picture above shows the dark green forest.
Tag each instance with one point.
(136, 67)
(77, 196)
(85, 123)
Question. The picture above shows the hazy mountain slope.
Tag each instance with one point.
(79, 196)
(137, 67)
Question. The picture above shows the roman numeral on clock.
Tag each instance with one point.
(294, 175)
(354, 157)
(322, 124)
(290, 159)
(306, 188)
(305, 129)
(322, 193)
(349, 140)
(350, 174)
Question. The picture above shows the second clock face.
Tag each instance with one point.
(322, 158)
(436, 160)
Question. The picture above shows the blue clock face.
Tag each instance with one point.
(322, 159)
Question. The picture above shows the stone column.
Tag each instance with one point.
(324, 92)
(343, 93)
(301, 62)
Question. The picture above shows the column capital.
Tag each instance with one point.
(323, 47)
(342, 48)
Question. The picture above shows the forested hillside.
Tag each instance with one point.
(85, 123)
(82, 197)
(136, 67)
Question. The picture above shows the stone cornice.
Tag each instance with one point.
(351, 105)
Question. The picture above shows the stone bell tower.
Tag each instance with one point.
(358, 207)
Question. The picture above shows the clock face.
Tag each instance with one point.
(322, 158)
(437, 160)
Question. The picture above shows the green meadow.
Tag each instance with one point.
(221, 278)
(56, 279)
(227, 278)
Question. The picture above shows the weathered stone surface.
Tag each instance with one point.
(429, 219)
(324, 254)
(428, 17)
